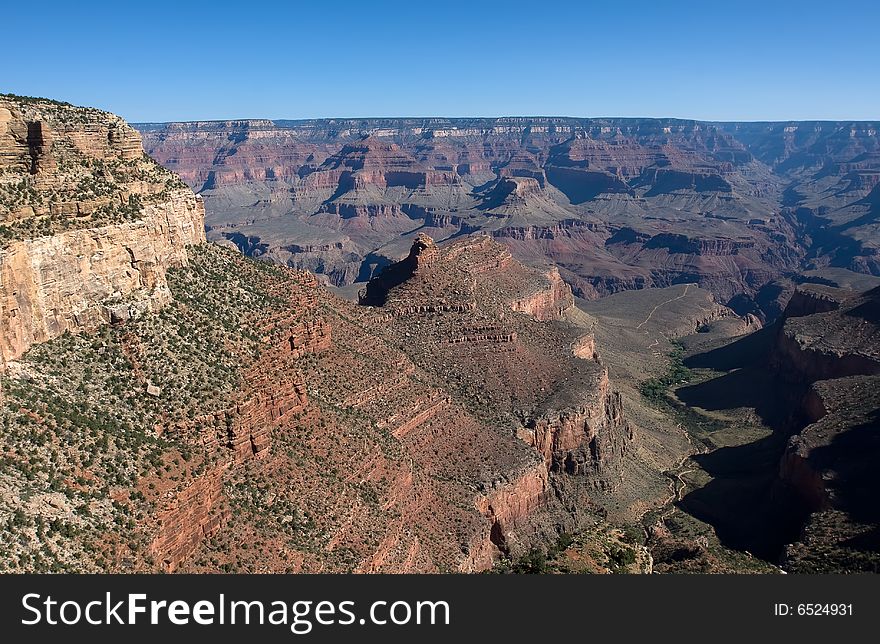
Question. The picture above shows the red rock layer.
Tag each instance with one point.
(272, 392)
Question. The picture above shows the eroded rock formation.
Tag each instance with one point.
(829, 341)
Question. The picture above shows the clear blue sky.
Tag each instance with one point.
(732, 60)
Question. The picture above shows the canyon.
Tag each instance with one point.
(436, 345)
(786, 419)
(740, 209)
(168, 403)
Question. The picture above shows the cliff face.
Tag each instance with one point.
(586, 439)
(548, 303)
(831, 465)
(193, 514)
(828, 333)
(508, 508)
(89, 224)
(80, 279)
(52, 141)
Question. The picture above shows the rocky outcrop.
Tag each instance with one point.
(193, 514)
(422, 254)
(829, 345)
(796, 357)
(89, 238)
(550, 302)
(509, 505)
(585, 439)
(244, 429)
(812, 299)
(475, 318)
(837, 337)
(585, 347)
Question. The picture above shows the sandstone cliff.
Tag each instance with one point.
(828, 333)
(582, 439)
(90, 225)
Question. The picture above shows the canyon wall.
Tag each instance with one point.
(828, 346)
(550, 302)
(79, 279)
(615, 203)
(582, 440)
(827, 333)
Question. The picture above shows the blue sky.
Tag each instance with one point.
(733, 60)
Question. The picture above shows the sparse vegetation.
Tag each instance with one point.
(78, 437)
(63, 188)
(656, 389)
(601, 549)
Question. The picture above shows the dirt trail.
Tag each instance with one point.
(677, 484)
(654, 310)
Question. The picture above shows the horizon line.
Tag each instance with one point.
(511, 116)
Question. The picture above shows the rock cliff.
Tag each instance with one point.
(475, 318)
(89, 224)
(829, 342)
(828, 333)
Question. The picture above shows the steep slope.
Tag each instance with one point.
(258, 409)
(830, 339)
